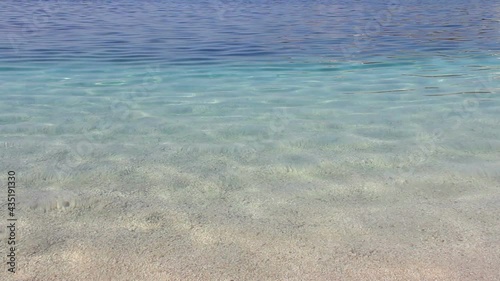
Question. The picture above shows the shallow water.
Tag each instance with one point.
(329, 129)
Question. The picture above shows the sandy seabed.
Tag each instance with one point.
(156, 208)
(147, 217)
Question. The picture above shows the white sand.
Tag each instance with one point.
(173, 212)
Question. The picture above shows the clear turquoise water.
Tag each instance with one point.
(246, 74)
(188, 102)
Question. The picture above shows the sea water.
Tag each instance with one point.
(309, 125)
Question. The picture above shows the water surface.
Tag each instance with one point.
(270, 140)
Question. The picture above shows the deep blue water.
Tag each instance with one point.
(215, 32)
